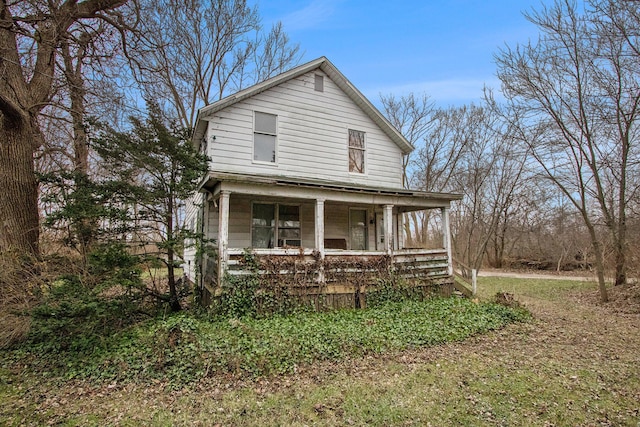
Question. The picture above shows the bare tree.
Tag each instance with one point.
(413, 116)
(574, 101)
(31, 33)
(463, 150)
(193, 53)
(490, 175)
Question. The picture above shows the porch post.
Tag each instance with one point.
(400, 230)
(319, 243)
(446, 238)
(223, 234)
(387, 219)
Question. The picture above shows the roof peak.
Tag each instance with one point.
(325, 65)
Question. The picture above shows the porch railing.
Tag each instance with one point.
(431, 264)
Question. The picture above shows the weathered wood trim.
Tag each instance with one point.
(335, 252)
(446, 238)
(319, 224)
(347, 195)
(387, 215)
(223, 233)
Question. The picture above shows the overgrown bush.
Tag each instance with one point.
(394, 288)
(73, 317)
(254, 295)
(245, 295)
(77, 311)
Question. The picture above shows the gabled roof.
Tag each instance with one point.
(330, 70)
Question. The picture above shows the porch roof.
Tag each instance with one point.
(310, 189)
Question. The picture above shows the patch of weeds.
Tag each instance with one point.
(185, 347)
(393, 289)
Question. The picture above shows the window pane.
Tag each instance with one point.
(262, 237)
(356, 139)
(356, 151)
(356, 160)
(289, 216)
(264, 215)
(263, 221)
(289, 233)
(264, 148)
(266, 123)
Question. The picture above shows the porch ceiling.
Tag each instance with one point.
(286, 187)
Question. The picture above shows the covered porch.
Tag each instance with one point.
(321, 239)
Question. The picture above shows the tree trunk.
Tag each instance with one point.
(174, 301)
(86, 228)
(597, 249)
(621, 265)
(19, 218)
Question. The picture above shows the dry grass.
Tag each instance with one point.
(20, 283)
(575, 364)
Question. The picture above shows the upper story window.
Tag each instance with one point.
(264, 137)
(356, 151)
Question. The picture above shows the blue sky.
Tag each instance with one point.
(443, 48)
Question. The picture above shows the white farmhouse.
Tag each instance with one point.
(305, 168)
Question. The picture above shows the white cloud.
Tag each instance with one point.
(311, 16)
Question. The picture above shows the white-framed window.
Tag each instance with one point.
(265, 132)
(356, 151)
(275, 225)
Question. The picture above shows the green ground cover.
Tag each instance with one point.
(575, 363)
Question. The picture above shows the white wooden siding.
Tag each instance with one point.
(336, 221)
(312, 136)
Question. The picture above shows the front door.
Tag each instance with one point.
(358, 229)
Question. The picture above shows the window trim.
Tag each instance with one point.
(276, 226)
(256, 132)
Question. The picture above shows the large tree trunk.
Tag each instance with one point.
(19, 217)
(621, 264)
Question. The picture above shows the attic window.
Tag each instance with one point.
(319, 83)
(356, 151)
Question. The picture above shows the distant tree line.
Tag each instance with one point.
(550, 171)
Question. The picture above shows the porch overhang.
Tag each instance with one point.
(285, 187)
